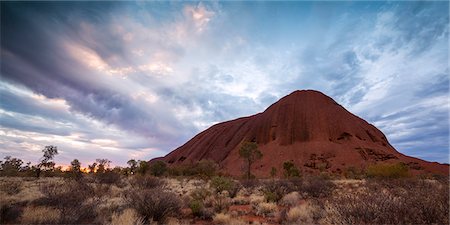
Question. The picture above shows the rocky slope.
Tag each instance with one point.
(305, 127)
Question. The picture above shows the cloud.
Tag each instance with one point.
(140, 79)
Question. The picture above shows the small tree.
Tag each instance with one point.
(102, 165)
(133, 165)
(250, 152)
(47, 160)
(92, 167)
(75, 168)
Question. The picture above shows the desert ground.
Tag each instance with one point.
(112, 198)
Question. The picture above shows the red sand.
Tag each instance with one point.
(306, 127)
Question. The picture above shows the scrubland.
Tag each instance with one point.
(145, 199)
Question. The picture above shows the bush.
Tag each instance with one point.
(153, 204)
(69, 198)
(225, 184)
(275, 190)
(196, 207)
(398, 170)
(127, 217)
(405, 202)
(158, 168)
(146, 182)
(221, 202)
(266, 209)
(291, 199)
(226, 219)
(303, 214)
(318, 187)
(9, 212)
(108, 177)
(290, 170)
(11, 187)
(205, 169)
(40, 215)
(200, 193)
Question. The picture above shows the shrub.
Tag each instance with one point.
(127, 217)
(397, 170)
(146, 182)
(153, 204)
(250, 184)
(302, 214)
(40, 215)
(290, 170)
(204, 169)
(266, 209)
(196, 207)
(225, 184)
(69, 198)
(221, 202)
(200, 193)
(318, 187)
(275, 190)
(222, 218)
(290, 199)
(158, 168)
(9, 212)
(392, 203)
(11, 187)
(226, 219)
(108, 177)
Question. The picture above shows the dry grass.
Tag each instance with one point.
(266, 209)
(290, 199)
(225, 219)
(127, 217)
(302, 214)
(40, 215)
(256, 198)
(399, 201)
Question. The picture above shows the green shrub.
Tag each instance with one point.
(200, 193)
(158, 168)
(197, 207)
(397, 170)
(275, 190)
(225, 184)
(290, 170)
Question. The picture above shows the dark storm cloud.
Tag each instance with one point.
(42, 65)
(142, 78)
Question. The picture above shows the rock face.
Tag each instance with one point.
(306, 127)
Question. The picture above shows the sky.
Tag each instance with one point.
(122, 80)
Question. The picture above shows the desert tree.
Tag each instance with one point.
(133, 165)
(75, 168)
(46, 162)
(250, 153)
(102, 165)
(92, 167)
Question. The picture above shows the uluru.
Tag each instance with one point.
(307, 128)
